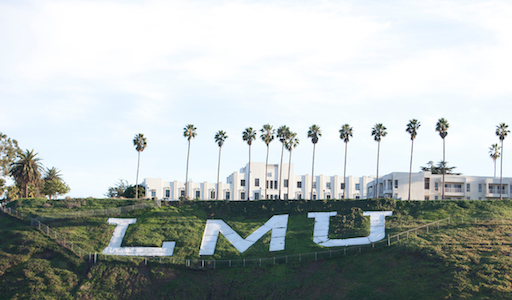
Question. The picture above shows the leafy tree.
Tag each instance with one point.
(501, 132)
(283, 134)
(52, 173)
(267, 135)
(291, 143)
(438, 169)
(494, 153)
(442, 127)
(26, 170)
(412, 129)
(345, 135)
(13, 193)
(9, 150)
(131, 190)
(378, 132)
(118, 190)
(220, 138)
(314, 133)
(248, 135)
(2, 186)
(55, 187)
(139, 141)
(189, 132)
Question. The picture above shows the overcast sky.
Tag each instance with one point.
(78, 80)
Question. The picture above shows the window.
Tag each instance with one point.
(167, 193)
(328, 185)
(328, 196)
(242, 195)
(256, 196)
(271, 184)
(314, 196)
(242, 182)
(358, 187)
(396, 183)
(427, 198)
(479, 187)
(299, 184)
(182, 192)
(272, 197)
(314, 185)
(153, 193)
(436, 186)
(198, 194)
(228, 194)
(436, 198)
(286, 183)
(285, 196)
(427, 184)
(299, 196)
(342, 186)
(275, 184)
(212, 194)
(468, 188)
(358, 197)
(256, 182)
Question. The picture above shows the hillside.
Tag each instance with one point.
(457, 261)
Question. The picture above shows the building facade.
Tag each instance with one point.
(424, 186)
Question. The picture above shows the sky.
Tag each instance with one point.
(79, 79)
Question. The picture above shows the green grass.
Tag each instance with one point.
(461, 261)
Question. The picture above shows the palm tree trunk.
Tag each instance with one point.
(289, 173)
(249, 176)
(345, 174)
(266, 166)
(313, 171)
(218, 173)
(281, 170)
(495, 168)
(444, 165)
(186, 177)
(137, 177)
(377, 181)
(501, 172)
(410, 169)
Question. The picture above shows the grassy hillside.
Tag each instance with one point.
(460, 261)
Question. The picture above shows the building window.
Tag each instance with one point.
(242, 182)
(299, 184)
(285, 196)
(427, 198)
(468, 187)
(314, 185)
(182, 193)
(436, 198)
(242, 195)
(342, 186)
(314, 196)
(198, 194)
(328, 196)
(256, 182)
(212, 194)
(358, 197)
(286, 183)
(228, 194)
(275, 184)
(167, 193)
(256, 196)
(436, 186)
(328, 185)
(427, 183)
(479, 187)
(271, 184)
(358, 186)
(396, 183)
(299, 196)
(153, 193)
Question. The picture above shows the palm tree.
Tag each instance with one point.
(314, 133)
(378, 132)
(267, 135)
(220, 138)
(412, 129)
(249, 135)
(501, 132)
(494, 152)
(139, 141)
(345, 135)
(291, 143)
(52, 173)
(442, 127)
(189, 132)
(283, 134)
(26, 170)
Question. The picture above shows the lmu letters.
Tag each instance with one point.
(277, 224)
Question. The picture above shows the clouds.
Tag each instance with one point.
(91, 74)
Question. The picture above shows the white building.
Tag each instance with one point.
(428, 186)
(237, 186)
(425, 186)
